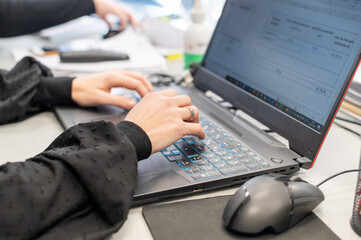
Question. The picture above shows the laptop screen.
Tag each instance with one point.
(295, 55)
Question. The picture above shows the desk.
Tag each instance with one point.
(340, 152)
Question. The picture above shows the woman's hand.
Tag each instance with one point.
(105, 7)
(95, 90)
(165, 118)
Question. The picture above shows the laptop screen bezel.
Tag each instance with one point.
(302, 139)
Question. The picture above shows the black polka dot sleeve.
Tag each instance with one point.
(80, 187)
(30, 88)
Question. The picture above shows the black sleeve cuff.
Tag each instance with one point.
(54, 90)
(138, 137)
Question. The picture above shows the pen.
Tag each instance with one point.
(41, 52)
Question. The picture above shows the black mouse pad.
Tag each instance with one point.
(202, 219)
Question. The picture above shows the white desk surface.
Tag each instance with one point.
(341, 151)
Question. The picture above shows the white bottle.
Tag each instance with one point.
(197, 36)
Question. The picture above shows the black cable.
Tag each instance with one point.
(161, 79)
(348, 120)
(329, 178)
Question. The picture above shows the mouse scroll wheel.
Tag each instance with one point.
(296, 179)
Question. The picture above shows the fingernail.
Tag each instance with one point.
(132, 103)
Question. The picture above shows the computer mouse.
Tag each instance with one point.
(273, 202)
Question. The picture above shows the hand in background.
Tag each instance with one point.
(164, 116)
(95, 89)
(105, 7)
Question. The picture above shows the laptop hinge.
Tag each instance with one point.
(303, 162)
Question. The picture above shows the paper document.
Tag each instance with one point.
(143, 56)
(78, 28)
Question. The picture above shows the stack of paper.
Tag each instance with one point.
(143, 56)
(82, 27)
(352, 100)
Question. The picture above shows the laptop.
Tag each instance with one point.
(286, 63)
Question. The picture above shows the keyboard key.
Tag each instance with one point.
(226, 145)
(208, 141)
(217, 137)
(265, 165)
(209, 156)
(215, 147)
(254, 166)
(204, 176)
(241, 155)
(171, 158)
(175, 152)
(208, 168)
(190, 140)
(226, 135)
(244, 149)
(208, 126)
(185, 163)
(199, 147)
(186, 149)
(228, 158)
(219, 130)
(234, 163)
(213, 174)
(166, 152)
(220, 166)
(258, 159)
(235, 151)
(238, 145)
(262, 162)
(200, 176)
(193, 171)
(223, 136)
(196, 158)
(211, 132)
(234, 170)
(251, 154)
(203, 121)
(202, 163)
(215, 161)
(247, 161)
(222, 153)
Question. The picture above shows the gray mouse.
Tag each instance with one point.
(274, 202)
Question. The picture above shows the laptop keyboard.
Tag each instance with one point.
(219, 154)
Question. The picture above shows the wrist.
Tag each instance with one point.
(75, 91)
(97, 7)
